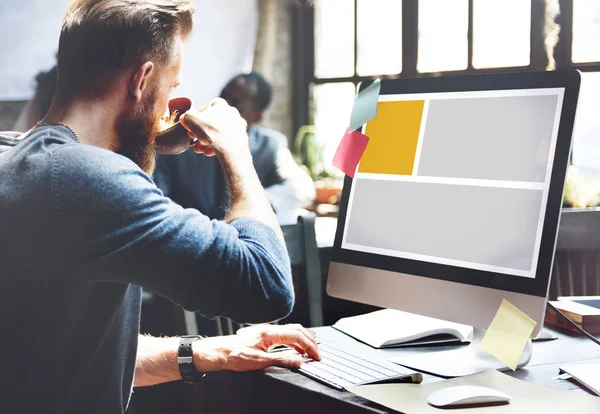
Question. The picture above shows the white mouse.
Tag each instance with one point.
(467, 395)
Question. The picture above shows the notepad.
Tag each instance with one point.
(390, 328)
(586, 374)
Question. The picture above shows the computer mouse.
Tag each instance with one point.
(466, 395)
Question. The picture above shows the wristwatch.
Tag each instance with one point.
(185, 356)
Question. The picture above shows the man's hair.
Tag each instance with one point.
(264, 91)
(101, 38)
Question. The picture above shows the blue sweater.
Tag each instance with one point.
(82, 229)
(199, 182)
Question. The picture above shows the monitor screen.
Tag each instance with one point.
(462, 180)
(457, 178)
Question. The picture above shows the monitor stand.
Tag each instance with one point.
(460, 361)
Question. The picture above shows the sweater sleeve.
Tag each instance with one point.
(119, 227)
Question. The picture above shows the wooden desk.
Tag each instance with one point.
(279, 390)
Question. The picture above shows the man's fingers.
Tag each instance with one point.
(210, 152)
(282, 359)
(193, 122)
(207, 150)
(253, 359)
(297, 340)
(308, 346)
(298, 348)
(292, 335)
(307, 332)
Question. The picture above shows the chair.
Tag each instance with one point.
(302, 247)
(576, 269)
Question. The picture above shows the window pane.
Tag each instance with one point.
(443, 28)
(501, 33)
(379, 37)
(586, 31)
(334, 38)
(586, 135)
(332, 107)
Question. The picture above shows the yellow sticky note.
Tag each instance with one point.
(394, 135)
(508, 333)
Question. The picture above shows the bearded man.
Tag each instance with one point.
(83, 227)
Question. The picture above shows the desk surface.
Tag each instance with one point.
(281, 390)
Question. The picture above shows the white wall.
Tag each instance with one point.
(221, 46)
(29, 31)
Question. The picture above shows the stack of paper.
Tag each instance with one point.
(586, 374)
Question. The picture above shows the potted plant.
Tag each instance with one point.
(307, 151)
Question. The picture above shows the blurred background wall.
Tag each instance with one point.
(222, 45)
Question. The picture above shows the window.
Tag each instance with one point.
(585, 56)
(501, 33)
(586, 134)
(379, 37)
(333, 104)
(334, 38)
(586, 31)
(443, 35)
(357, 40)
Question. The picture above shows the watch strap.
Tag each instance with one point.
(185, 359)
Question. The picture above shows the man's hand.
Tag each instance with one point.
(221, 131)
(249, 349)
(219, 128)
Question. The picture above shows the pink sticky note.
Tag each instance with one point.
(352, 146)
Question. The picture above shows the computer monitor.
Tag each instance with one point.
(456, 202)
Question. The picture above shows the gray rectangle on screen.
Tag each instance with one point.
(490, 226)
(494, 138)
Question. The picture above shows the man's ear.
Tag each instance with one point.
(259, 116)
(139, 80)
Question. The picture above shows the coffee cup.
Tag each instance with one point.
(175, 139)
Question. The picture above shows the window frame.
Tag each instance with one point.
(304, 50)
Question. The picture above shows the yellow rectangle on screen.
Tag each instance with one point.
(393, 136)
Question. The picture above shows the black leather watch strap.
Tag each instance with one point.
(185, 359)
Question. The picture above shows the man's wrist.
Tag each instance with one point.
(240, 174)
(237, 161)
(208, 355)
(185, 359)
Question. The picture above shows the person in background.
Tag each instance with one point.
(83, 228)
(37, 107)
(199, 182)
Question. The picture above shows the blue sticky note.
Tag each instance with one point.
(365, 105)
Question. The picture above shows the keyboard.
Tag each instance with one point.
(339, 369)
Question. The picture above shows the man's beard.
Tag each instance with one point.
(137, 135)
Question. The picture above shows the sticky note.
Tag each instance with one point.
(394, 135)
(508, 333)
(365, 105)
(351, 148)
